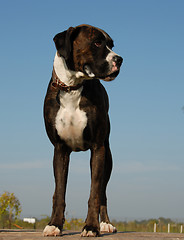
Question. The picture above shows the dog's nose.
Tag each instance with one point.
(118, 60)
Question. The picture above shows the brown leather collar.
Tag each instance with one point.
(57, 83)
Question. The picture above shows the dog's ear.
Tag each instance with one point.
(63, 42)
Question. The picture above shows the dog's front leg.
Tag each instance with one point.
(105, 225)
(60, 164)
(92, 228)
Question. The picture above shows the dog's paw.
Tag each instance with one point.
(51, 231)
(107, 227)
(90, 232)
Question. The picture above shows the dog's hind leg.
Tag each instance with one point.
(60, 164)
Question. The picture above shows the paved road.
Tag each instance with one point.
(27, 235)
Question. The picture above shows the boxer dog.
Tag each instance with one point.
(76, 119)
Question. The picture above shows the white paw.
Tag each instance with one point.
(107, 227)
(88, 233)
(51, 231)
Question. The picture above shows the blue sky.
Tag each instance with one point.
(146, 100)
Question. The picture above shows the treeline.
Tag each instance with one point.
(122, 226)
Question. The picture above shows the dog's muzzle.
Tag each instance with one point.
(116, 64)
(118, 61)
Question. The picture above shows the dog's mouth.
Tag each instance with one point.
(87, 69)
(111, 76)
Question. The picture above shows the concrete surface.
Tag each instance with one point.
(32, 235)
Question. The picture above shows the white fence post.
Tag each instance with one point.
(181, 229)
(155, 227)
(169, 227)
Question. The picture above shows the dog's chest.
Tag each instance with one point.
(71, 120)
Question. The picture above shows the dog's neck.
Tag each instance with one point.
(67, 76)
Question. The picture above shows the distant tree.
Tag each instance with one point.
(10, 207)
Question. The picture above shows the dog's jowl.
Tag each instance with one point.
(76, 119)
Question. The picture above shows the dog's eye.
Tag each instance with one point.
(98, 43)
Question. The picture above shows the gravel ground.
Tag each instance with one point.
(32, 235)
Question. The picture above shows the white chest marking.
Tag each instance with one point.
(70, 120)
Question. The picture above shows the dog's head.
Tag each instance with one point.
(89, 50)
